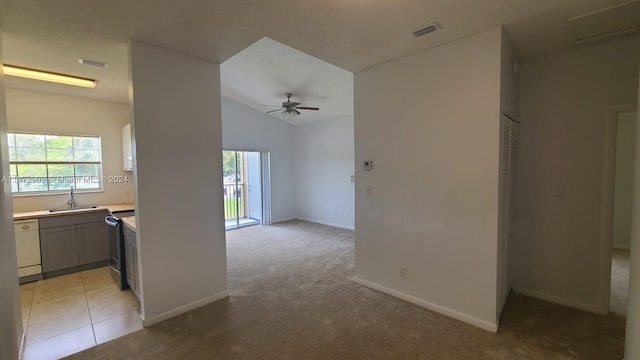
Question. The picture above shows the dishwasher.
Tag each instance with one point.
(28, 250)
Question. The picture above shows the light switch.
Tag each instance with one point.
(367, 165)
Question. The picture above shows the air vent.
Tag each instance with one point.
(92, 63)
(433, 27)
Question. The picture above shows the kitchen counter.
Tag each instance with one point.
(44, 213)
(120, 207)
(130, 221)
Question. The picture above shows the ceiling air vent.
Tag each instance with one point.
(92, 63)
(428, 29)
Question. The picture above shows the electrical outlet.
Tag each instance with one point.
(403, 271)
(369, 190)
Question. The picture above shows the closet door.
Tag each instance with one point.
(509, 153)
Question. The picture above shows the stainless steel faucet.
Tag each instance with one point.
(72, 200)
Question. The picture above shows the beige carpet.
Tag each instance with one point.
(619, 282)
(291, 298)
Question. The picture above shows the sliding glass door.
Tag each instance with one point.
(242, 188)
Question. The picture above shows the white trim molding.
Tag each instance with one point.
(606, 220)
(471, 320)
(341, 226)
(560, 300)
(183, 309)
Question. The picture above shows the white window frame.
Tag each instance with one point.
(72, 180)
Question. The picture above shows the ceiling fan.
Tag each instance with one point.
(291, 108)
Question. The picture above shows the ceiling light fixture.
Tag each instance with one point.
(23, 72)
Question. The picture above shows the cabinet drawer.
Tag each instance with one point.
(66, 220)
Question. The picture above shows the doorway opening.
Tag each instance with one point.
(245, 188)
(624, 119)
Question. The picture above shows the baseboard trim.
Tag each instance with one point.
(341, 226)
(557, 300)
(184, 308)
(282, 220)
(621, 247)
(23, 344)
(471, 320)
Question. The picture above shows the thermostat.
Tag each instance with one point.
(367, 165)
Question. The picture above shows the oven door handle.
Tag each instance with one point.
(111, 220)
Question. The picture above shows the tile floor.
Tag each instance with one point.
(70, 313)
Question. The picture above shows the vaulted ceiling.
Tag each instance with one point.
(349, 34)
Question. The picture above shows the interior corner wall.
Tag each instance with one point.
(430, 124)
(247, 129)
(11, 329)
(177, 144)
(73, 116)
(324, 164)
(563, 108)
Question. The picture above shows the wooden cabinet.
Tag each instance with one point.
(93, 241)
(73, 242)
(59, 247)
(131, 260)
(127, 150)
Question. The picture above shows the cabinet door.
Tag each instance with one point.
(94, 242)
(59, 248)
(130, 258)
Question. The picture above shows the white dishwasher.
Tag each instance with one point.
(28, 249)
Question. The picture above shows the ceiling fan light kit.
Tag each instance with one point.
(291, 108)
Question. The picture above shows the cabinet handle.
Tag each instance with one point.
(25, 227)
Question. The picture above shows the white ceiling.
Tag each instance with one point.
(350, 34)
(265, 71)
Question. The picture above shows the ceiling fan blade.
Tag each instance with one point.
(307, 108)
(273, 111)
(297, 112)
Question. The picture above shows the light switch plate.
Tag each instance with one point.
(367, 165)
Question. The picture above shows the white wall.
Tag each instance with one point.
(430, 123)
(73, 116)
(11, 330)
(632, 331)
(176, 127)
(508, 78)
(563, 107)
(623, 186)
(324, 160)
(247, 129)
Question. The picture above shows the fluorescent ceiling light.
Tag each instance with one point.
(18, 71)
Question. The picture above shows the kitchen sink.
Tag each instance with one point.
(76, 208)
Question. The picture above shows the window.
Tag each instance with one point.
(42, 163)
